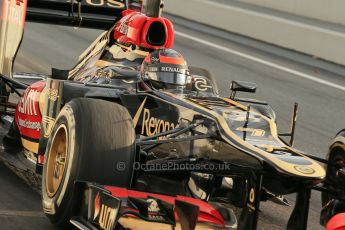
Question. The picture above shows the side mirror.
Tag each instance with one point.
(241, 86)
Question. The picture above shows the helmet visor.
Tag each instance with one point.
(168, 77)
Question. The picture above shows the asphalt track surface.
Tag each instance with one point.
(320, 116)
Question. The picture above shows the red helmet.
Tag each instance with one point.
(164, 69)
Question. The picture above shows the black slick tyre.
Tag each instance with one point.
(334, 181)
(89, 140)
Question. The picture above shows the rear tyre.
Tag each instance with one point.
(89, 141)
(334, 181)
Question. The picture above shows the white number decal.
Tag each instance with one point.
(93, 2)
(115, 4)
(109, 3)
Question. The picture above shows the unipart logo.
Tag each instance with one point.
(104, 213)
(107, 217)
(27, 103)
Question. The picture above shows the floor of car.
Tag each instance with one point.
(161, 185)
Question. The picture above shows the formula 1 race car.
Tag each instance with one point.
(110, 149)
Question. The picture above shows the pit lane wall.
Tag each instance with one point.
(314, 27)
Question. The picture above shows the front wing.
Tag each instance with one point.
(108, 208)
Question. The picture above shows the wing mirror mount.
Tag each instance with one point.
(292, 127)
(241, 86)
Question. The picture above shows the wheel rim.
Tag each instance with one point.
(56, 163)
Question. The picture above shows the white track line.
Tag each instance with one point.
(271, 17)
(261, 61)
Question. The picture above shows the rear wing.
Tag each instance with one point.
(100, 14)
(12, 21)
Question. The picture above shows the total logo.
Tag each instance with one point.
(27, 104)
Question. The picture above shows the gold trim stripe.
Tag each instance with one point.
(29, 145)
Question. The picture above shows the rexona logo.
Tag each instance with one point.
(152, 125)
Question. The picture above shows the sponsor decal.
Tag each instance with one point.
(253, 132)
(27, 103)
(97, 206)
(210, 103)
(48, 123)
(52, 94)
(106, 3)
(138, 113)
(105, 209)
(152, 125)
(201, 84)
(154, 60)
(304, 169)
(123, 28)
(171, 69)
(153, 207)
(107, 217)
(35, 125)
(241, 116)
(156, 212)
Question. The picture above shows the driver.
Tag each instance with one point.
(165, 69)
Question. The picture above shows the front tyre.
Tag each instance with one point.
(89, 139)
(335, 181)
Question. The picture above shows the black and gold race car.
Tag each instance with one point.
(110, 150)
